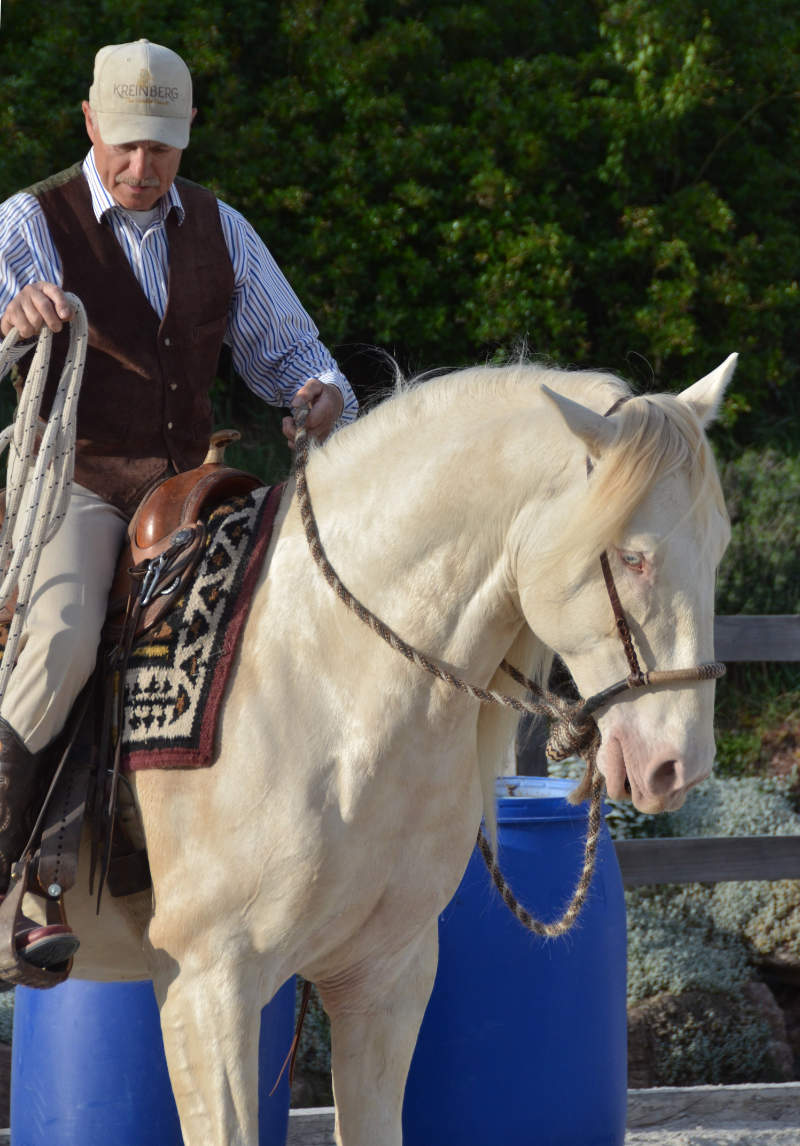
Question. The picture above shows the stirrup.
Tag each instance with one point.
(47, 946)
(55, 937)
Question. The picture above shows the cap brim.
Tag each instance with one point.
(116, 129)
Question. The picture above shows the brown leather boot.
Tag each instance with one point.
(51, 944)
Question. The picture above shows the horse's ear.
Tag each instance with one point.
(595, 431)
(705, 397)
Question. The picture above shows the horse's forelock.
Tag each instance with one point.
(657, 435)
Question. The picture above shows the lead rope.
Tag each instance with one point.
(39, 481)
(573, 732)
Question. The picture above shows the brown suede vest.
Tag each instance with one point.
(144, 408)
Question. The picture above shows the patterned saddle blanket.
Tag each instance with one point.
(176, 675)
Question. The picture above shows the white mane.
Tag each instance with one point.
(657, 434)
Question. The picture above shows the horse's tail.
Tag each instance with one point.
(497, 725)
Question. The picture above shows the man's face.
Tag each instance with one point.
(136, 174)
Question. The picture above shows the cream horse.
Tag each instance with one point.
(342, 809)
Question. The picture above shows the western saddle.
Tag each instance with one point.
(163, 547)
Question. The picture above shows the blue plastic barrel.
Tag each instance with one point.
(524, 1042)
(88, 1067)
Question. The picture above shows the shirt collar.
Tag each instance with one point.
(103, 201)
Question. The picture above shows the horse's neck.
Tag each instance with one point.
(418, 531)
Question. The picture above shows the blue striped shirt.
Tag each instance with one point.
(274, 344)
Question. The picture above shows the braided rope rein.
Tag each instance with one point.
(573, 908)
(573, 731)
(39, 480)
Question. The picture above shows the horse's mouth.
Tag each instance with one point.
(621, 787)
(618, 784)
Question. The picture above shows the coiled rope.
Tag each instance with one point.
(572, 731)
(39, 481)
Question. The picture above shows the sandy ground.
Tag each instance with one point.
(715, 1116)
(755, 1134)
(668, 1116)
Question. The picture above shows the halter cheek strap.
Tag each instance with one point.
(638, 678)
(619, 616)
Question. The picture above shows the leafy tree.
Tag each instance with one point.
(608, 183)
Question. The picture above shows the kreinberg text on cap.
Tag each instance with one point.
(141, 91)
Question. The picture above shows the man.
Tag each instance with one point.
(167, 273)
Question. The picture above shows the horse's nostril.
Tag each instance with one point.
(665, 777)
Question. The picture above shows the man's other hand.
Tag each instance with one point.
(326, 402)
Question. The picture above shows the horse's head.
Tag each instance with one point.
(650, 498)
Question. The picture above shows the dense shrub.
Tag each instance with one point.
(613, 182)
(760, 572)
(758, 706)
(673, 947)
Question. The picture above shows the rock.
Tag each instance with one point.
(641, 1048)
(766, 1005)
(708, 1037)
(787, 995)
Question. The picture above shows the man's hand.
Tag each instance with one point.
(326, 402)
(36, 305)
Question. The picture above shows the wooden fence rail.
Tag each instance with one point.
(774, 638)
(719, 859)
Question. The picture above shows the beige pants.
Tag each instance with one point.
(58, 645)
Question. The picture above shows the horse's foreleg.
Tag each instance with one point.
(210, 1021)
(375, 1014)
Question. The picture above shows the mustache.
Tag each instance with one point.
(151, 181)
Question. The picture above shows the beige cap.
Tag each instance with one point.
(141, 91)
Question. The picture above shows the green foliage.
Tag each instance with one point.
(610, 183)
(758, 720)
(760, 572)
(766, 914)
(6, 1016)
(262, 450)
(672, 946)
